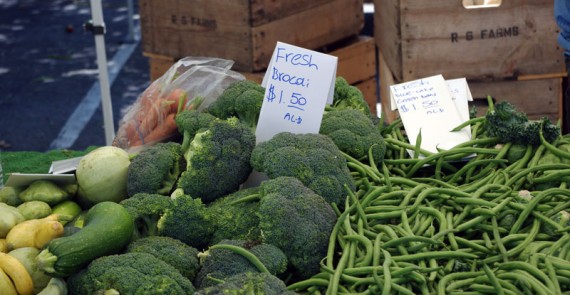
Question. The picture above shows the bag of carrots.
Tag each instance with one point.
(191, 83)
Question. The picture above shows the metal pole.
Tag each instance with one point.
(99, 31)
(130, 14)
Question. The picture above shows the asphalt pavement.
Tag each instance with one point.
(49, 93)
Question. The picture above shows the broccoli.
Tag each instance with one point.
(242, 99)
(146, 210)
(189, 122)
(248, 283)
(156, 169)
(296, 220)
(354, 133)
(186, 221)
(172, 251)
(129, 273)
(232, 219)
(218, 160)
(347, 96)
(314, 159)
(504, 121)
(227, 258)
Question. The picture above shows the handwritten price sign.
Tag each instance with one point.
(298, 83)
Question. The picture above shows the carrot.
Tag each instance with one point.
(162, 131)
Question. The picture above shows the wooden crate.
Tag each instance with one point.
(356, 63)
(244, 31)
(537, 96)
(421, 38)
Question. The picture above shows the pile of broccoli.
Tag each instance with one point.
(355, 134)
(507, 123)
(314, 159)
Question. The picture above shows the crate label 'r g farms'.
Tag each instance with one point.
(505, 32)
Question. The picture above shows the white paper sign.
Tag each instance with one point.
(298, 83)
(461, 96)
(427, 105)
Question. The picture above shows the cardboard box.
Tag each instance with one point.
(245, 31)
(421, 38)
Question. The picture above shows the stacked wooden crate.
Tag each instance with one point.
(246, 31)
(508, 50)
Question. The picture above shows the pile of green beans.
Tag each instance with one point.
(463, 221)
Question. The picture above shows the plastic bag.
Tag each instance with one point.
(191, 83)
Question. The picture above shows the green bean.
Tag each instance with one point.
(473, 245)
(441, 286)
(490, 289)
(552, 275)
(498, 240)
(531, 169)
(524, 277)
(334, 282)
(466, 225)
(367, 260)
(434, 254)
(493, 279)
(529, 268)
(409, 239)
(387, 274)
(462, 152)
(532, 204)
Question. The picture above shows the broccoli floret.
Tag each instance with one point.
(156, 169)
(350, 97)
(220, 263)
(248, 283)
(242, 99)
(298, 221)
(146, 210)
(354, 133)
(504, 121)
(232, 219)
(314, 159)
(217, 160)
(129, 273)
(189, 122)
(186, 221)
(172, 251)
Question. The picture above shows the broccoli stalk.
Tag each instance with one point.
(146, 210)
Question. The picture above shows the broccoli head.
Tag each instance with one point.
(155, 169)
(347, 96)
(248, 283)
(507, 123)
(146, 210)
(354, 133)
(172, 251)
(233, 219)
(129, 273)
(218, 160)
(296, 220)
(189, 122)
(186, 221)
(242, 99)
(314, 159)
(230, 257)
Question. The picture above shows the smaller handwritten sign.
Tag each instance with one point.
(298, 83)
(461, 96)
(427, 105)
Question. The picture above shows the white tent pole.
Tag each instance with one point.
(130, 12)
(98, 27)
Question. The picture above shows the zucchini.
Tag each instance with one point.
(107, 230)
